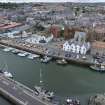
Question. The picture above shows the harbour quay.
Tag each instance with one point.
(47, 50)
(18, 93)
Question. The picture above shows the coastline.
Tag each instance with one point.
(40, 49)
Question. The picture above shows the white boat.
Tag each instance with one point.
(23, 54)
(39, 90)
(15, 51)
(7, 49)
(7, 74)
(61, 62)
(32, 56)
(98, 67)
(84, 57)
(72, 101)
(46, 59)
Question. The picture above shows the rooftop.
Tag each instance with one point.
(98, 44)
(100, 28)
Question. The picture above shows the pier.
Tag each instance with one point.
(18, 93)
(42, 49)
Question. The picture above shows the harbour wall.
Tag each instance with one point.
(41, 52)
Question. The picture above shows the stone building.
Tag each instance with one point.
(68, 32)
(98, 48)
(99, 32)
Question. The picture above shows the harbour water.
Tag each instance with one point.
(71, 80)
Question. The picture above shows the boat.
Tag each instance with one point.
(32, 56)
(98, 67)
(46, 59)
(72, 101)
(23, 53)
(61, 62)
(7, 49)
(84, 58)
(15, 51)
(7, 74)
(44, 93)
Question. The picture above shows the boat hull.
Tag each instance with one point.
(97, 69)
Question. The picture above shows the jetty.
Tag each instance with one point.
(18, 93)
(42, 50)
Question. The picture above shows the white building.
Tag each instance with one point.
(66, 46)
(73, 48)
(76, 48)
(35, 39)
(83, 50)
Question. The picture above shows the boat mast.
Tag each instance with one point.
(41, 77)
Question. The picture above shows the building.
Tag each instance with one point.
(99, 32)
(98, 48)
(36, 39)
(68, 32)
(55, 30)
(80, 37)
(74, 47)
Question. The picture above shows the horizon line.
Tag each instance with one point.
(47, 2)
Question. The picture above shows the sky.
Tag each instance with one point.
(52, 0)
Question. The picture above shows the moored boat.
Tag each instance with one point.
(7, 49)
(61, 62)
(98, 67)
(46, 59)
(72, 101)
(15, 51)
(23, 54)
(6, 74)
(32, 56)
(44, 92)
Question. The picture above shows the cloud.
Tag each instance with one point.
(52, 0)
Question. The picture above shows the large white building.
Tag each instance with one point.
(35, 39)
(76, 48)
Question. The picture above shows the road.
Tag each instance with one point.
(20, 93)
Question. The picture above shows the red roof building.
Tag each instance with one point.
(55, 30)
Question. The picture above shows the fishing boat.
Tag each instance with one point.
(98, 67)
(61, 62)
(72, 101)
(46, 59)
(32, 56)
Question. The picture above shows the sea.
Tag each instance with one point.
(71, 80)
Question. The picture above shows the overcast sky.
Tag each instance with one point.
(52, 0)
